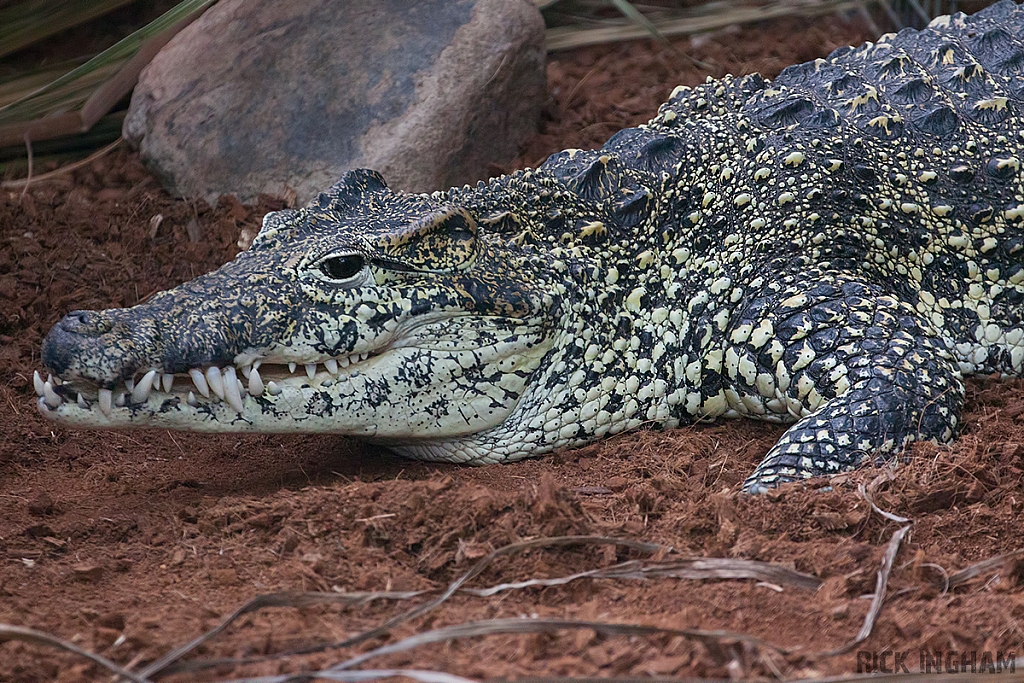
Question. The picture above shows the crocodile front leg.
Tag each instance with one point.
(861, 372)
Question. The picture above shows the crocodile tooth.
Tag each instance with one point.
(107, 402)
(291, 367)
(344, 362)
(121, 399)
(231, 393)
(130, 383)
(245, 370)
(272, 388)
(200, 381)
(256, 364)
(37, 383)
(331, 365)
(50, 396)
(167, 382)
(141, 391)
(49, 378)
(216, 380)
(81, 402)
(310, 370)
(255, 383)
(192, 401)
(363, 356)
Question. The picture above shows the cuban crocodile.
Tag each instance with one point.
(833, 249)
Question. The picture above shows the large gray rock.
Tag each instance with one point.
(267, 97)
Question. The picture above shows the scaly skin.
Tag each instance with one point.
(833, 249)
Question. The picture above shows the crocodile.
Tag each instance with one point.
(834, 249)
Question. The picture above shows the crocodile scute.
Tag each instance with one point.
(834, 249)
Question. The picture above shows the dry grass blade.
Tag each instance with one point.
(964, 575)
(484, 562)
(868, 494)
(881, 583)
(695, 21)
(24, 182)
(165, 663)
(637, 17)
(607, 573)
(520, 626)
(919, 11)
(720, 568)
(285, 599)
(694, 568)
(29, 22)
(1014, 674)
(889, 12)
(28, 635)
(621, 679)
(421, 675)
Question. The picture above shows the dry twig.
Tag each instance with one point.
(964, 575)
(29, 635)
(23, 183)
(163, 665)
(519, 626)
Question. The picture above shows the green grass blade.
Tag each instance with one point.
(69, 96)
(636, 16)
(23, 109)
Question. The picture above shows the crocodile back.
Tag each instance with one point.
(897, 160)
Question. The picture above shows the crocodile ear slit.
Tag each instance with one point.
(443, 240)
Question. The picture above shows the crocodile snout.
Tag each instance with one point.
(99, 346)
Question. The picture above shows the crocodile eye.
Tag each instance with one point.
(342, 267)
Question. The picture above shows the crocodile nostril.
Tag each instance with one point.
(86, 323)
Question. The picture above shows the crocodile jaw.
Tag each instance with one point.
(400, 394)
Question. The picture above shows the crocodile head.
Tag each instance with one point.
(371, 313)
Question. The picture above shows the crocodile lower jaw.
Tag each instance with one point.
(211, 387)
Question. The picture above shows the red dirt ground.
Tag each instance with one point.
(129, 544)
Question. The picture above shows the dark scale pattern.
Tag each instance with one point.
(833, 249)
